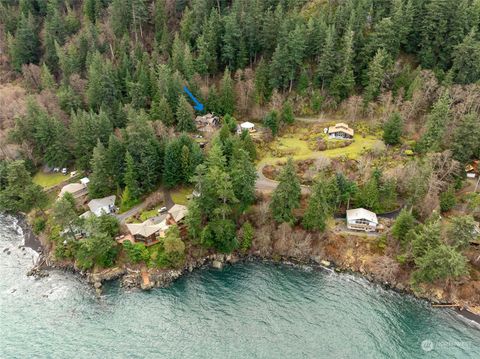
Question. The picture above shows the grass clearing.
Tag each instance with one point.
(295, 146)
(179, 195)
(47, 180)
(149, 214)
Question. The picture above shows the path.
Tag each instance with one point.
(265, 184)
(122, 217)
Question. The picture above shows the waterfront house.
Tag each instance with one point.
(340, 131)
(176, 214)
(360, 219)
(100, 206)
(147, 232)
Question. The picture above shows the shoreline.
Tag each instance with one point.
(130, 278)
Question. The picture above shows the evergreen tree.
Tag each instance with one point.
(441, 262)
(185, 116)
(161, 111)
(393, 129)
(375, 75)
(465, 144)
(101, 88)
(461, 231)
(100, 180)
(320, 206)
(25, 46)
(131, 179)
(437, 122)
(327, 64)
(244, 175)
(404, 223)
(248, 145)
(287, 115)
(448, 199)
(64, 214)
(427, 238)
(227, 94)
(271, 122)
(91, 9)
(193, 220)
(286, 197)
(466, 60)
(344, 82)
(115, 158)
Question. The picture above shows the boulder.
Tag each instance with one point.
(217, 264)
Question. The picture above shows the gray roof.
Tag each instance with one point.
(98, 204)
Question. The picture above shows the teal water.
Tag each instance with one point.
(245, 311)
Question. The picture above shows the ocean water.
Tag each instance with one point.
(253, 310)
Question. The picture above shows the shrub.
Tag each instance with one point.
(447, 199)
(39, 225)
(174, 248)
(404, 223)
(135, 252)
(247, 236)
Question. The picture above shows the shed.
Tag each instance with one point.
(361, 219)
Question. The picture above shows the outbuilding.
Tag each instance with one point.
(247, 126)
(360, 219)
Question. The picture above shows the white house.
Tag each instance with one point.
(361, 219)
(247, 126)
(101, 206)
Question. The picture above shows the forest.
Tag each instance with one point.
(97, 85)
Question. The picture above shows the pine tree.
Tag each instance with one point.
(427, 238)
(437, 122)
(271, 121)
(344, 82)
(161, 110)
(185, 116)
(25, 46)
(466, 60)
(244, 175)
(100, 180)
(131, 178)
(91, 9)
(101, 88)
(404, 223)
(327, 64)
(320, 206)
(48, 81)
(193, 220)
(227, 94)
(375, 75)
(393, 129)
(286, 197)
(465, 144)
(115, 158)
(287, 115)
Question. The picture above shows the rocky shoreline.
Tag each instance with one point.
(132, 278)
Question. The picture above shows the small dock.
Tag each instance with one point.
(146, 284)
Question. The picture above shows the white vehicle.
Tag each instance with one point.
(56, 169)
(64, 171)
(73, 174)
(162, 210)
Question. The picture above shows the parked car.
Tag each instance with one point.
(73, 174)
(64, 171)
(56, 169)
(162, 210)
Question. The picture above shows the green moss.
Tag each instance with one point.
(49, 179)
(180, 195)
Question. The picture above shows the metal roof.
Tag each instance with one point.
(361, 213)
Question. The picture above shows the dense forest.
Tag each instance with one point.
(97, 85)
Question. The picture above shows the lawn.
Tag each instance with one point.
(296, 147)
(149, 214)
(179, 195)
(47, 180)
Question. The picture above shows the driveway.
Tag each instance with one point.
(265, 184)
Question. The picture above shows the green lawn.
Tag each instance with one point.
(298, 149)
(47, 180)
(179, 195)
(149, 214)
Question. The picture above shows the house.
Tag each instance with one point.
(176, 214)
(147, 232)
(340, 131)
(207, 123)
(472, 169)
(101, 206)
(361, 219)
(77, 190)
(247, 126)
